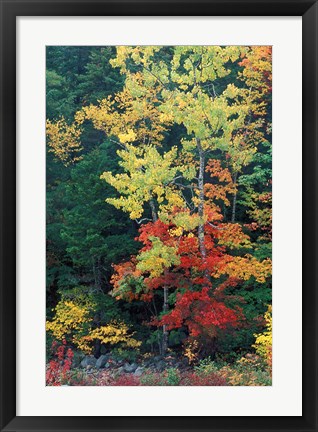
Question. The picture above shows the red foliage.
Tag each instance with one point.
(58, 368)
(210, 379)
(153, 229)
(199, 306)
(198, 310)
(230, 282)
(126, 380)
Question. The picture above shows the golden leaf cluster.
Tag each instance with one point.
(64, 140)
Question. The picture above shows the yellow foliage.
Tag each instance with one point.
(132, 115)
(147, 175)
(191, 351)
(130, 136)
(73, 322)
(158, 258)
(247, 371)
(257, 73)
(176, 232)
(183, 220)
(113, 334)
(64, 140)
(233, 236)
(69, 322)
(263, 342)
(244, 268)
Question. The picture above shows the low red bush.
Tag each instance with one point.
(57, 370)
(126, 380)
(210, 379)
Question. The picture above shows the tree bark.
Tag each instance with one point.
(165, 307)
(234, 198)
(165, 333)
(201, 200)
(153, 210)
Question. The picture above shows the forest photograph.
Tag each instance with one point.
(159, 215)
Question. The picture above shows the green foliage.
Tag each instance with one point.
(170, 377)
(91, 233)
(206, 366)
(173, 377)
(78, 76)
(245, 371)
(176, 337)
(122, 354)
(105, 309)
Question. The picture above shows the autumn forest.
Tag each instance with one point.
(159, 215)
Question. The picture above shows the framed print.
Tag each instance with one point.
(158, 202)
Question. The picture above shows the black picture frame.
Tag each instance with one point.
(10, 9)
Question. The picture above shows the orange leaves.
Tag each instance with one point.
(215, 169)
(257, 74)
(258, 67)
(244, 268)
(232, 236)
(122, 270)
(222, 182)
(125, 279)
(261, 212)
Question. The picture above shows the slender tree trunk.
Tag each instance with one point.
(201, 200)
(234, 198)
(153, 210)
(97, 348)
(94, 272)
(165, 333)
(159, 343)
(99, 275)
(97, 343)
(201, 190)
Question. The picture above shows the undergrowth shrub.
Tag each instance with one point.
(58, 368)
(206, 379)
(73, 321)
(126, 380)
(251, 370)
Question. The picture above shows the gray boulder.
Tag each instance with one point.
(139, 371)
(101, 362)
(78, 357)
(160, 366)
(129, 368)
(88, 361)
